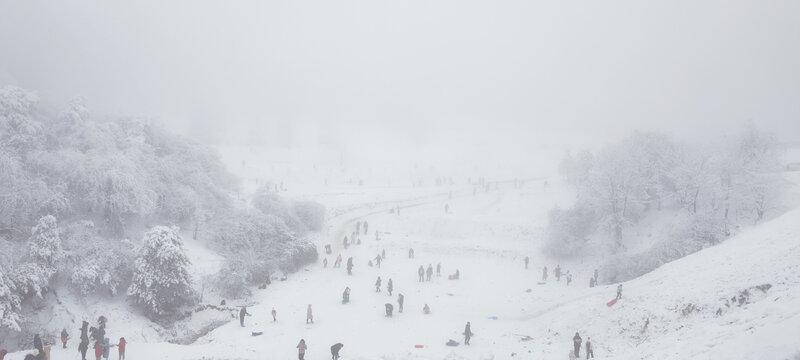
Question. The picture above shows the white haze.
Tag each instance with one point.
(447, 80)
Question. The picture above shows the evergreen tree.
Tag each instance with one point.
(161, 279)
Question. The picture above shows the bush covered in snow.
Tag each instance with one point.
(161, 280)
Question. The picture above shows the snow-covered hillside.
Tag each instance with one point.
(670, 313)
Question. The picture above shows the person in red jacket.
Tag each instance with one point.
(98, 350)
(3, 353)
(121, 347)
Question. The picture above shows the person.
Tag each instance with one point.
(467, 334)
(37, 343)
(589, 348)
(242, 313)
(335, 350)
(377, 235)
(595, 276)
(426, 309)
(390, 287)
(458, 274)
(400, 299)
(527, 259)
(366, 227)
(383, 254)
(328, 249)
(389, 309)
(106, 348)
(301, 349)
(274, 315)
(64, 337)
(569, 278)
(369, 263)
(378, 261)
(378, 285)
(350, 266)
(346, 244)
(429, 272)
(3, 353)
(32, 356)
(346, 295)
(84, 345)
(619, 291)
(421, 272)
(410, 253)
(576, 342)
(439, 269)
(558, 272)
(309, 315)
(121, 347)
(325, 262)
(98, 350)
(358, 227)
(591, 282)
(544, 273)
(338, 262)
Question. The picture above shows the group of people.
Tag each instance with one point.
(102, 344)
(576, 351)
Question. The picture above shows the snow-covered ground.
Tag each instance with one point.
(670, 313)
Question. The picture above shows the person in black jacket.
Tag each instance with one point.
(335, 350)
(400, 300)
(242, 314)
(378, 284)
(467, 333)
(390, 287)
(37, 343)
(84, 345)
(576, 342)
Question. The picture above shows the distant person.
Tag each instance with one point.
(467, 334)
(527, 259)
(358, 227)
(378, 261)
(421, 272)
(389, 309)
(338, 262)
(309, 315)
(350, 266)
(335, 351)
(64, 337)
(576, 342)
(325, 262)
(301, 349)
(274, 315)
(439, 269)
(383, 254)
(345, 243)
(557, 271)
(589, 348)
(595, 276)
(378, 285)
(591, 282)
(83, 347)
(121, 347)
(37, 343)
(242, 314)
(410, 253)
(3, 353)
(569, 278)
(429, 272)
(619, 291)
(346, 295)
(426, 309)
(400, 300)
(544, 273)
(390, 287)
(366, 227)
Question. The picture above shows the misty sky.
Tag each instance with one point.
(414, 72)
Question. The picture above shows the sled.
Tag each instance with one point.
(541, 283)
(528, 290)
(611, 303)
(254, 333)
(492, 317)
(419, 346)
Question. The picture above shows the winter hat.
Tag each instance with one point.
(35, 352)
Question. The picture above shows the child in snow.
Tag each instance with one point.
(98, 350)
(121, 346)
(309, 315)
(274, 315)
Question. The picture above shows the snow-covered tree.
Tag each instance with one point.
(9, 304)
(45, 245)
(161, 280)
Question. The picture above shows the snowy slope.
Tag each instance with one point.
(486, 236)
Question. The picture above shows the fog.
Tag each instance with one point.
(453, 78)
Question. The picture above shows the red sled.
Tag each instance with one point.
(419, 346)
(611, 303)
